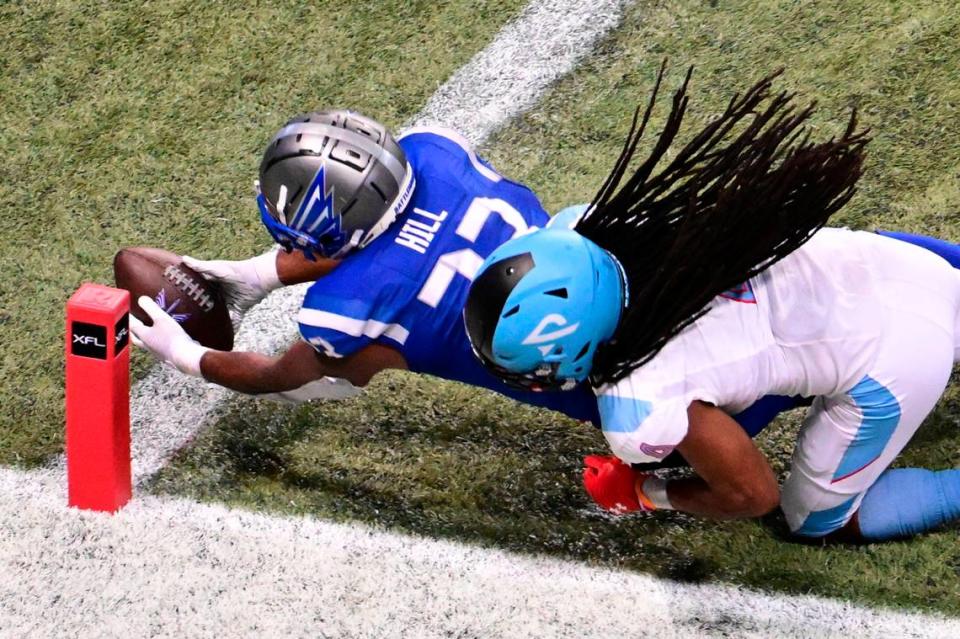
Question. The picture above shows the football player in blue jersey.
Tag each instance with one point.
(685, 294)
(331, 183)
(386, 294)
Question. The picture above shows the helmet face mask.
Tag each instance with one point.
(543, 378)
(330, 182)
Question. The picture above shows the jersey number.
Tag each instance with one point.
(466, 261)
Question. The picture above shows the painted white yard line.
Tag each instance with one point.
(173, 567)
(508, 77)
(167, 409)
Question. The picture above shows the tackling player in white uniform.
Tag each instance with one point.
(686, 295)
(865, 324)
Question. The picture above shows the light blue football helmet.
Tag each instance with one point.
(540, 306)
(568, 217)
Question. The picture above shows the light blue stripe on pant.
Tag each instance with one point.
(881, 416)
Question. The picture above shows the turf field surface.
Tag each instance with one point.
(437, 459)
(129, 124)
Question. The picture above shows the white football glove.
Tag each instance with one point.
(243, 282)
(166, 340)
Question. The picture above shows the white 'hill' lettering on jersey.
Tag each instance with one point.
(417, 234)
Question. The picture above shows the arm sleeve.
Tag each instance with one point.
(642, 431)
(343, 312)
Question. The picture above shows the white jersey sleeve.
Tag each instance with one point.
(641, 430)
(720, 359)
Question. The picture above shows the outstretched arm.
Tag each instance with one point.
(254, 373)
(295, 268)
(246, 282)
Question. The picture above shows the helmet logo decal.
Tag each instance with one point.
(537, 336)
(317, 206)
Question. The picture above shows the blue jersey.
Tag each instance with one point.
(408, 288)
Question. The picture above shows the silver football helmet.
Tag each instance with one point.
(332, 181)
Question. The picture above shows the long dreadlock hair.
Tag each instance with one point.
(727, 206)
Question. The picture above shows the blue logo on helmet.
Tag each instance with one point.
(315, 228)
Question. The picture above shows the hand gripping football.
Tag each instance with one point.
(179, 290)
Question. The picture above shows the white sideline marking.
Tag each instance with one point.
(167, 409)
(505, 79)
(173, 567)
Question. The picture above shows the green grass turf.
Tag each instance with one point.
(440, 459)
(126, 123)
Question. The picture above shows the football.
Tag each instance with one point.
(182, 292)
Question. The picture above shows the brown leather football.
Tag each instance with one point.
(189, 298)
